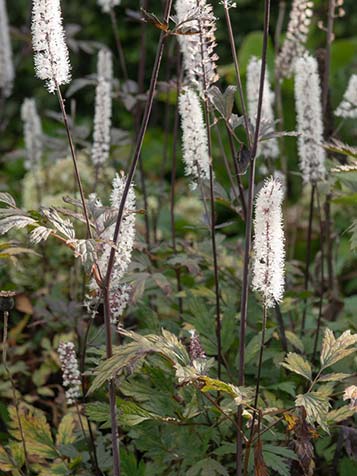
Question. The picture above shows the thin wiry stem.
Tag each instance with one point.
(118, 44)
(235, 164)
(257, 388)
(329, 247)
(325, 90)
(138, 114)
(248, 236)
(82, 361)
(106, 283)
(308, 257)
(278, 94)
(179, 72)
(89, 441)
(329, 39)
(322, 236)
(213, 211)
(237, 72)
(74, 158)
(279, 318)
(13, 388)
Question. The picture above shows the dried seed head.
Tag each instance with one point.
(309, 120)
(268, 246)
(7, 71)
(48, 41)
(296, 36)
(70, 371)
(7, 301)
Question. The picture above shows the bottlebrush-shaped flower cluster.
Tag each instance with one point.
(119, 294)
(103, 109)
(32, 133)
(296, 36)
(49, 46)
(194, 137)
(70, 371)
(269, 243)
(198, 49)
(309, 120)
(348, 106)
(7, 71)
(267, 148)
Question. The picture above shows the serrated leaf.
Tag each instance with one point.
(340, 414)
(65, 434)
(211, 384)
(295, 340)
(333, 377)
(334, 349)
(207, 467)
(296, 363)
(63, 225)
(40, 233)
(15, 221)
(276, 463)
(8, 199)
(36, 430)
(223, 102)
(126, 357)
(341, 148)
(316, 407)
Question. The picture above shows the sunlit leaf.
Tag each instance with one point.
(296, 363)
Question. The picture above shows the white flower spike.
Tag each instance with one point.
(70, 371)
(48, 41)
(194, 137)
(267, 148)
(309, 120)
(348, 105)
(119, 293)
(296, 36)
(33, 134)
(103, 109)
(198, 49)
(269, 243)
(7, 71)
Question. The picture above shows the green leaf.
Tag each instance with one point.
(340, 414)
(276, 463)
(296, 363)
(281, 450)
(36, 430)
(127, 357)
(98, 412)
(287, 387)
(65, 434)
(333, 377)
(334, 349)
(8, 199)
(316, 407)
(207, 467)
(295, 340)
